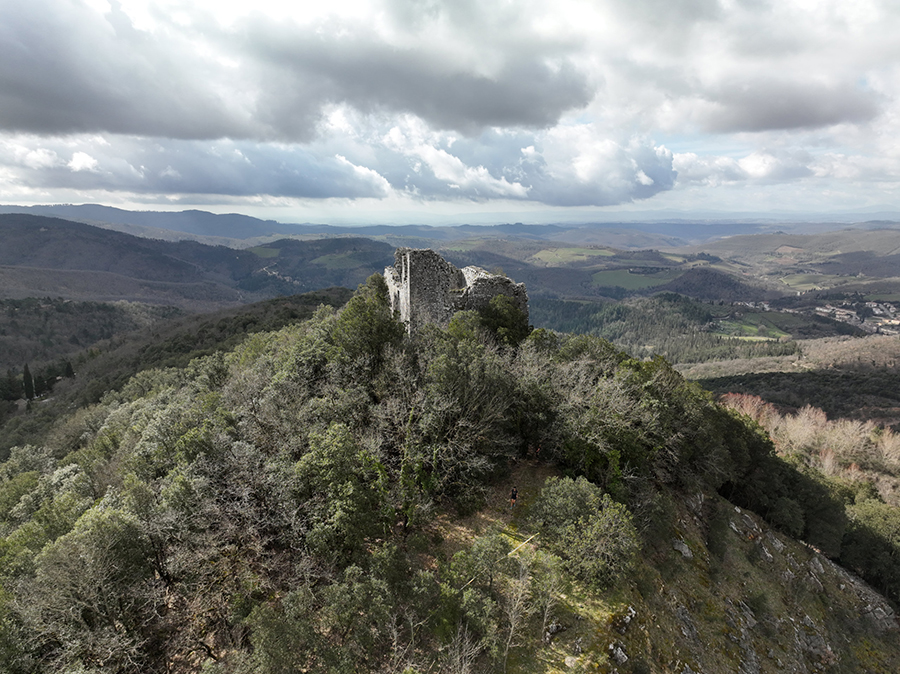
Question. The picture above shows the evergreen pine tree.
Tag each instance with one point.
(69, 373)
(28, 383)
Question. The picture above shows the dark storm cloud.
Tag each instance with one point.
(67, 69)
(767, 104)
(375, 78)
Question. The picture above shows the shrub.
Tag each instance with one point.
(593, 534)
(787, 515)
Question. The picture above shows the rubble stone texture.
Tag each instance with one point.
(425, 288)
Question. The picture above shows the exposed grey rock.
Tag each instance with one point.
(816, 565)
(814, 583)
(775, 541)
(765, 554)
(876, 609)
(882, 617)
(682, 547)
(617, 653)
(687, 623)
(751, 525)
(621, 622)
(695, 503)
(749, 659)
(814, 645)
(749, 620)
(554, 628)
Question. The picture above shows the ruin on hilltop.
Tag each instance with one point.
(425, 288)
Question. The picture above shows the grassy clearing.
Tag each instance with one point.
(804, 282)
(338, 261)
(585, 613)
(755, 325)
(553, 257)
(736, 330)
(264, 252)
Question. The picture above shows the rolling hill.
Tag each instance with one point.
(59, 258)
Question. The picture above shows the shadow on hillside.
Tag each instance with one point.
(853, 393)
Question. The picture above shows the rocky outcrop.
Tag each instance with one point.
(425, 288)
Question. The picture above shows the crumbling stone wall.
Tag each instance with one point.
(425, 288)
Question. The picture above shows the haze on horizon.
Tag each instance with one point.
(407, 110)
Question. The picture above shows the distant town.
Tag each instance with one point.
(882, 318)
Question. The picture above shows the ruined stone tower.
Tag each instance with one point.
(425, 288)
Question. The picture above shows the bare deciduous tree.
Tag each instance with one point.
(516, 605)
(462, 653)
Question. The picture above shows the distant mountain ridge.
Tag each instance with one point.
(651, 233)
(74, 260)
(201, 223)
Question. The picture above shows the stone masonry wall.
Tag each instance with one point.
(425, 288)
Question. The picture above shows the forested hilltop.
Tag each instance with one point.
(333, 496)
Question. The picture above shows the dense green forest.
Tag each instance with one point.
(47, 332)
(292, 503)
(47, 329)
(109, 363)
(676, 327)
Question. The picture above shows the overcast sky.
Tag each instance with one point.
(418, 109)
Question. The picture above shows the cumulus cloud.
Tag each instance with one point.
(757, 167)
(569, 103)
(82, 161)
(580, 165)
(225, 168)
(39, 158)
(69, 68)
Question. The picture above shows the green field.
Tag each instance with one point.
(628, 280)
(752, 326)
(805, 282)
(264, 251)
(338, 261)
(557, 256)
